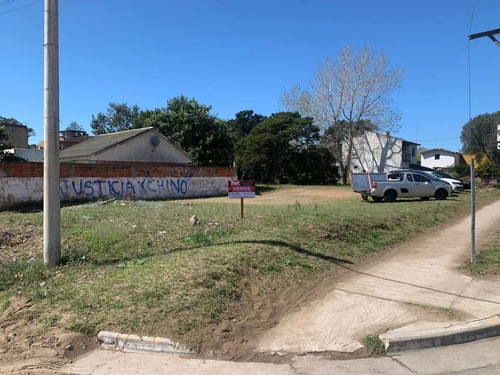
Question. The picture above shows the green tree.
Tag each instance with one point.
(4, 139)
(118, 117)
(345, 93)
(74, 126)
(244, 122)
(270, 152)
(479, 136)
(192, 126)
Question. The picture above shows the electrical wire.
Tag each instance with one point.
(21, 7)
(6, 2)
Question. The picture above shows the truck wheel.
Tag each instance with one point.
(377, 199)
(441, 194)
(390, 196)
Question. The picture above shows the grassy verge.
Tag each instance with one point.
(488, 259)
(141, 267)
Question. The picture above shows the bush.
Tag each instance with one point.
(488, 170)
(460, 171)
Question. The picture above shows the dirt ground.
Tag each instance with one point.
(26, 348)
(289, 195)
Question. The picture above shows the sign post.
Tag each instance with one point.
(241, 189)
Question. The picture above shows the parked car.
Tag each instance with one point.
(409, 184)
(466, 184)
(454, 183)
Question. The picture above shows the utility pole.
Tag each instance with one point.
(51, 195)
(490, 34)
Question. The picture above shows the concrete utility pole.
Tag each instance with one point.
(490, 34)
(51, 195)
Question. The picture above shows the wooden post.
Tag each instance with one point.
(242, 208)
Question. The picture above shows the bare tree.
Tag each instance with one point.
(347, 97)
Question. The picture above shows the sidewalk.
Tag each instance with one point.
(414, 290)
(417, 286)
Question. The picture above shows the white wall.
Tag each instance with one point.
(374, 152)
(446, 159)
(17, 190)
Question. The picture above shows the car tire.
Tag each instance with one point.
(377, 199)
(441, 194)
(390, 196)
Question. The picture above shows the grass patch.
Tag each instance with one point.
(374, 345)
(488, 259)
(141, 267)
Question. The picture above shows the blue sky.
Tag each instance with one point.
(236, 55)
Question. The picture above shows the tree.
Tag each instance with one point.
(346, 95)
(192, 126)
(243, 123)
(270, 152)
(4, 140)
(118, 117)
(479, 136)
(74, 126)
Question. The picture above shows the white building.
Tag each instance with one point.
(438, 158)
(373, 152)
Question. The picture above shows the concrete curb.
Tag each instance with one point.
(398, 341)
(118, 341)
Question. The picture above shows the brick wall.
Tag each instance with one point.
(23, 182)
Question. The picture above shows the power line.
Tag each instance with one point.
(6, 2)
(21, 7)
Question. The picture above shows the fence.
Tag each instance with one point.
(22, 183)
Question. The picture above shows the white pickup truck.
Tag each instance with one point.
(404, 184)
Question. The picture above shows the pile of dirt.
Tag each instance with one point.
(27, 348)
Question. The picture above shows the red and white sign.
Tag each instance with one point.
(241, 189)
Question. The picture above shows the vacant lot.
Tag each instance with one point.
(143, 268)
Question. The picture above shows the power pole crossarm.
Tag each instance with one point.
(490, 34)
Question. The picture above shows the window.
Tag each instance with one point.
(420, 178)
(437, 156)
(396, 176)
(413, 151)
(409, 177)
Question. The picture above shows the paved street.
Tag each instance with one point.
(480, 357)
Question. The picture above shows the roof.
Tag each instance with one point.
(100, 143)
(440, 150)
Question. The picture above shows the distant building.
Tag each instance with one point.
(18, 134)
(479, 159)
(438, 158)
(68, 138)
(373, 152)
(26, 154)
(137, 145)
